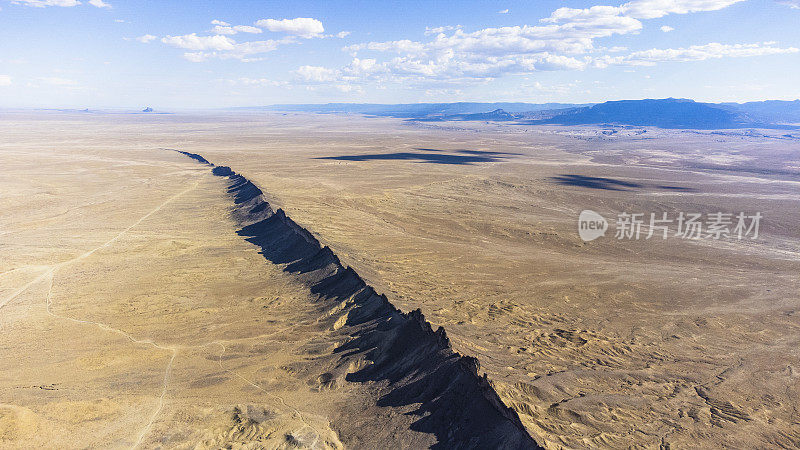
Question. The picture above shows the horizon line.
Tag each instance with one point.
(199, 108)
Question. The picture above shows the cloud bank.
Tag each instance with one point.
(303, 27)
(221, 45)
(565, 40)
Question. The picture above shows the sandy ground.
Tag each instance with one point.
(125, 290)
(133, 315)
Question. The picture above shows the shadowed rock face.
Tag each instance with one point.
(416, 364)
(195, 157)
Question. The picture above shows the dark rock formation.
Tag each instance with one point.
(415, 363)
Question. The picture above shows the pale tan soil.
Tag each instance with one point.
(605, 344)
(133, 315)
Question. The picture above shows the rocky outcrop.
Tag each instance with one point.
(414, 364)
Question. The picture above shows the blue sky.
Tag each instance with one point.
(172, 54)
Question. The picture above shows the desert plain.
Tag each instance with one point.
(133, 313)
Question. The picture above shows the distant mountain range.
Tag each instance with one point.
(663, 113)
(682, 113)
(421, 110)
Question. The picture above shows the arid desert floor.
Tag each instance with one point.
(133, 313)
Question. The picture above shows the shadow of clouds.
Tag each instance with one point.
(431, 155)
(610, 184)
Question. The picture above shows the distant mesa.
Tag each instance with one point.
(679, 113)
(664, 113)
(498, 115)
(148, 109)
(671, 113)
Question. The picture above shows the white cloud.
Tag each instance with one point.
(195, 42)
(563, 41)
(342, 34)
(146, 38)
(222, 29)
(703, 52)
(247, 29)
(316, 74)
(444, 94)
(304, 27)
(794, 4)
(222, 47)
(573, 36)
(503, 11)
(437, 30)
(61, 3)
(653, 9)
(667, 29)
(196, 56)
(595, 13)
(5, 80)
(640, 9)
(562, 88)
(225, 28)
(347, 88)
(707, 51)
(257, 82)
(57, 81)
(403, 46)
(44, 3)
